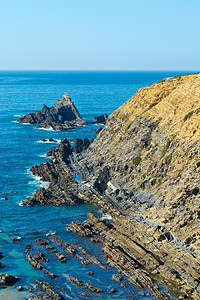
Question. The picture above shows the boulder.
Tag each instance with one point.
(117, 277)
(113, 290)
(8, 279)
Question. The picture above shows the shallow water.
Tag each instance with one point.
(94, 93)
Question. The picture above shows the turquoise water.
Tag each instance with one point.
(94, 93)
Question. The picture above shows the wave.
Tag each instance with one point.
(56, 141)
(37, 177)
(14, 122)
(43, 155)
(17, 115)
(20, 203)
(49, 128)
(37, 180)
(50, 233)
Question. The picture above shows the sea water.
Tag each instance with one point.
(94, 93)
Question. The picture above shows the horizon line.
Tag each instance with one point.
(99, 70)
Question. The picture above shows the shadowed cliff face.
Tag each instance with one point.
(147, 158)
(62, 116)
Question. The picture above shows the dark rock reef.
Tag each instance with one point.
(62, 116)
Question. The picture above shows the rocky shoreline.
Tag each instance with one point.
(142, 169)
(135, 255)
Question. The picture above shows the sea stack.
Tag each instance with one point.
(63, 116)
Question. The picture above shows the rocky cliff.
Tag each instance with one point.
(63, 116)
(149, 155)
(146, 162)
(143, 168)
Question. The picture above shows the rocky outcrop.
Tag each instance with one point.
(101, 119)
(121, 253)
(63, 116)
(63, 188)
(50, 293)
(8, 279)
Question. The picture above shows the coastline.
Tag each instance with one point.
(102, 188)
(157, 251)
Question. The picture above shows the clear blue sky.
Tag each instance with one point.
(100, 34)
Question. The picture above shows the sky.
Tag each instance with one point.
(99, 35)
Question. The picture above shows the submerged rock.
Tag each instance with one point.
(1, 266)
(112, 290)
(117, 277)
(16, 238)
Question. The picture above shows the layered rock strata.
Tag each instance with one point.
(63, 188)
(63, 116)
(58, 246)
(143, 168)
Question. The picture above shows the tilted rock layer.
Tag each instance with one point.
(148, 155)
(146, 162)
(62, 116)
(143, 168)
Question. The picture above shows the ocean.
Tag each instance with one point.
(94, 93)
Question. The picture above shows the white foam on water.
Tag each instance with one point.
(45, 184)
(51, 233)
(56, 141)
(17, 115)
(14, 122)
(43, 155)
(49, 128)
(37, 177)
(20, 203)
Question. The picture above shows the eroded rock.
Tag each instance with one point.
(63, 116)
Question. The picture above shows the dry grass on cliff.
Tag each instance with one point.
(174, 103)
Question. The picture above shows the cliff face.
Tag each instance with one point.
(147, 158)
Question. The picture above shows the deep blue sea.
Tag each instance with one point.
(93, 93)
